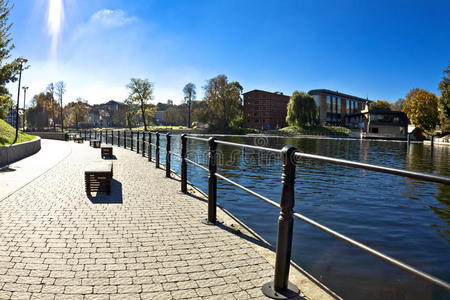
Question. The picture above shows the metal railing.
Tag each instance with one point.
(290, 157)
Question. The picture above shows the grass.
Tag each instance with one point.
(316, 130)
(8, 133)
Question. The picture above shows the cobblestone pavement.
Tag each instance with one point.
(144, 241)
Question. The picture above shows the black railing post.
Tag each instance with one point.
(183, 163)
(281, 284)
(137, 142)
(132, 141)
(168, 155)
(118, 138)
(125, 139)
(157, 150)
(149, 146)
(101, 135)
(106, 136)
(143, 144)
(90, 134)
(212, 182)
(95, 134)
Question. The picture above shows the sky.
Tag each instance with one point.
(376, 49)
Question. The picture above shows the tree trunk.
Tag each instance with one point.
(143, 116)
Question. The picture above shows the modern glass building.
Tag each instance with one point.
(335, 106)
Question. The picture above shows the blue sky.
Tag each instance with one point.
(377, 49)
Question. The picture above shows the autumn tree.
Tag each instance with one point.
(53, 105)
(141, 92)
(224, 101)
(380, 104)
(60, 89)
(398, 105)
(421, 107)
(76, 112)
(444, 100)
(189, 95)
(302, 110)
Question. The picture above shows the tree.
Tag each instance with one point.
(77, 112)
(398, 105)
(302, 110)
(60, 88)
(444, 100)
(189, 95)
(224, 101)
(53, 107)
(380, 104)
(8, 71)
(421, 107)
(141, 92)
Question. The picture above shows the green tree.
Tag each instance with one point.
(302, 110)
(189, 95)
(380, 104)
(421, 107)
(8, 71)
(444, 100)
(224, 101)
(398, 105)
(141, 92)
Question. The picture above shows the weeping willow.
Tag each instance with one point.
(302, 110)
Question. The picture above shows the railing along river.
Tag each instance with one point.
(280, 287)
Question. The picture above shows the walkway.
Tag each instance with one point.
(144, 241)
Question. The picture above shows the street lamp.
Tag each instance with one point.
(21, 61)
(186, 99)
(25, 88)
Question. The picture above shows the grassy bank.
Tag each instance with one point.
(8, 133)
(317, 130)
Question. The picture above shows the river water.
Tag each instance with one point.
(403, 218)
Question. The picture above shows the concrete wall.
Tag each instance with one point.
(10, 154)
(51, 135)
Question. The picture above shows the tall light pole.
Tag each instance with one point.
(25, 88)
(21, 61)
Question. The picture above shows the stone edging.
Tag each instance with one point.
(13, 153)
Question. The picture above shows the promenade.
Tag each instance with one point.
(144, 241)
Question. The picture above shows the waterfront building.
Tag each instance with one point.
(334, 107)
(265, 110)
(384, 124)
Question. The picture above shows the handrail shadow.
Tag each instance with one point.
(115, 197)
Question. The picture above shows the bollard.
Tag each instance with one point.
(183, 163)
(157, 150)
(137, 142)
(281, 287)
(212, 183)
(143, 144)
(149, 146)
(125, 139)
(132, 141)
(168, 155)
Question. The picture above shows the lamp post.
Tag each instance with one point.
(25, 88)
(21, 61)
(189, 111)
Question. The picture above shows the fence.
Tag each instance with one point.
(280, 287)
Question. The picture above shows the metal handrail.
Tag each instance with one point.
(294, 159)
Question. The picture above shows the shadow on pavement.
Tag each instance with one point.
(7, 169)
(114, 198)
(113, 157)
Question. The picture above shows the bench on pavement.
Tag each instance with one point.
(107, 151)
(97, 176)
(78, 139)
(95, 143)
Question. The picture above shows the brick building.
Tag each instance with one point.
(335, 108)
(265, 109)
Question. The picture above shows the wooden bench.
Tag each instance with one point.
(95, 143)
(78, 140)
(107, 151)
(98, 177)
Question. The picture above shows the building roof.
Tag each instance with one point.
(336, 93)
(261, 91)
